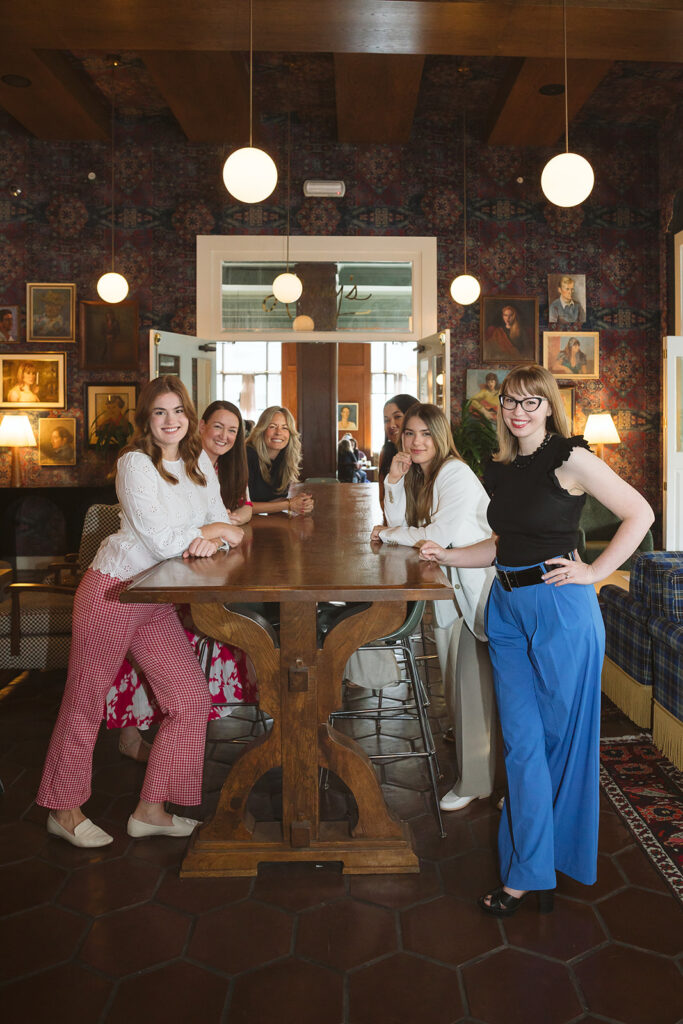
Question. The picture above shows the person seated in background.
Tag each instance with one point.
(274, 462)
(248, 427)
(348, 470)
(394, 410)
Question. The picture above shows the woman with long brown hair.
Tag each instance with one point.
(432, 494)
(221, 429)
(170, 506)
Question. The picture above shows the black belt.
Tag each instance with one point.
(513, 578)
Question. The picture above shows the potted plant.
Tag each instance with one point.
(475, 438)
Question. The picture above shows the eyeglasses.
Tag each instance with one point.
(528, 404)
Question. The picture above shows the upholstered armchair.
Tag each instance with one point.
(35, 618)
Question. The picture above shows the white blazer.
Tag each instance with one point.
(458, 518)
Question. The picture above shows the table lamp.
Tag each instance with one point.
(600, 430)
(16, 433)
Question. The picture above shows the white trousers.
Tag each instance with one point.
(468, 689)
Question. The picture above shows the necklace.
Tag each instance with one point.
(522, 461)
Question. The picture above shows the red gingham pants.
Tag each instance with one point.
(103, 631)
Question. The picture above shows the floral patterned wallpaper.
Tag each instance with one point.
(169, 190)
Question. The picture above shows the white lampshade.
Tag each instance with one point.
(303, 323)
(600, 429)
(16, 432)
(465, 289)
(250, 175)
(567, 179)
(287, 287)
(112, 287)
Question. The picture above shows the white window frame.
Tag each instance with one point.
(214, 250)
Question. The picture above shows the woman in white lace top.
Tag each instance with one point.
(171, 506)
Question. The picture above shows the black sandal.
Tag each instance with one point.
(504, 904)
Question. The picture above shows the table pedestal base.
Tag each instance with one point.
(360, 856)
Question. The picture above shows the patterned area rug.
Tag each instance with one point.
(647, 791)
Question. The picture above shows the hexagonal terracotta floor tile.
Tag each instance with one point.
(396, 890)
(20, 839)
(345, 934)
(608, 881)
(110, 885)
(241, 936)
(428, 843)
(450, 930)
(645, 919)
(177, 993)
(135, 939)
(195, 895)
(47, 996)
(573, 928)
(27, 884)
(294, 991)
(297, 886)
(613, 834)
(631, 986)
(471, 875)
(512, 987)
(639, 870)
(406, 803)
(38, 939)
(404, 989)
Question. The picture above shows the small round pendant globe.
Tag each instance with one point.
(465, 289)
(567, 179)
(287, 288)
(112, 287)
(249, 174)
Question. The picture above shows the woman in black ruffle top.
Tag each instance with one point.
(546, 636)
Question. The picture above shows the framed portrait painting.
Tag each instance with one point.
(57, 441)
(109, 335)
(109, 414)
(50, 312)
(509, 329)
(566, 299)
(32, 381)
(347, 415)
(572, 355)
(9, 324)
(482, 388)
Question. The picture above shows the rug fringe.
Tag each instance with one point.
(667, 734)
(634, 699)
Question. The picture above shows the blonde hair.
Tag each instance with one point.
(533, 380)
(419, 486)
(292, 460)
(189, 448)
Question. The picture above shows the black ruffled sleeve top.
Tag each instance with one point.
(532, 515)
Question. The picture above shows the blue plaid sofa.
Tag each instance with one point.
(628, 673)
(666, 630)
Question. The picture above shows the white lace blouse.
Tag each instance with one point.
(158, 519)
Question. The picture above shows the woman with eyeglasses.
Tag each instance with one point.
(546, 636)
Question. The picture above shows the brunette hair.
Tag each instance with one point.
(419, 486)
(233, 473)
(530, 379)
(389, 449)
(189, 449)
(291, 463)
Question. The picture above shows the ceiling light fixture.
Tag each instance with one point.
(249, 174)
(567, 178)
(112, 287)
(288, 287)
(465, 289)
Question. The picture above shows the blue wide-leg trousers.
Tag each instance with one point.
(547, 646)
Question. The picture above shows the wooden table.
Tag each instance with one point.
(298, 562)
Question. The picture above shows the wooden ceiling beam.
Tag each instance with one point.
(208, 93)
(376, 95)
(525, 117)
(60, 102)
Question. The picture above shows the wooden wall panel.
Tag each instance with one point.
(353, 385)
(289, 378)
(316, 385)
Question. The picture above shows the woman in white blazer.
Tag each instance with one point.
(432, 494)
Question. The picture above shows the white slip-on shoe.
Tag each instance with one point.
(179, 828)
(86, 834)
(452, 802)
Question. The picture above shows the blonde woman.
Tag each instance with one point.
(274, 461)
(546, 635)
(430, 493)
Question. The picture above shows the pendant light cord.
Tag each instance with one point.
(566, 103)
(289, 175)
(464, 175)
(251, 72)
(114, 64)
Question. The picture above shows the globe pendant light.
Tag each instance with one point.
(465, 289)
(567, 178)
(249, 174)
(112, 287)
(287, 287)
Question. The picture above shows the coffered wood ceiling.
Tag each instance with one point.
(195, 54)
